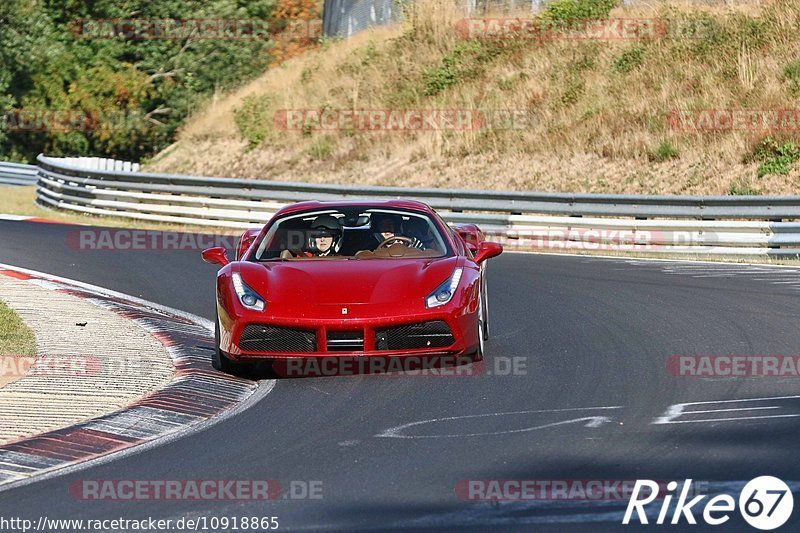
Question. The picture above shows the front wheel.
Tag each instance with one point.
(219, 360)
(484, 308)
(478, 356)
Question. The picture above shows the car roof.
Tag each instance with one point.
(388, 204)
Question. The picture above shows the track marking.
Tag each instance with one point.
(591, 422)
(677, 410)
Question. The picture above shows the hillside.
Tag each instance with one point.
(601, 115)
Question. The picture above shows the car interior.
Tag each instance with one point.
(415, 236)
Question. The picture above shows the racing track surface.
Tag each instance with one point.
(595, 333)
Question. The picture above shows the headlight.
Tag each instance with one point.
(444, 292)
(247, 296)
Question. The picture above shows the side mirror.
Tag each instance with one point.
(215, 256)
(487, 250)
(245, 241)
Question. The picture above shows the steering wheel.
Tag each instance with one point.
(397, 238)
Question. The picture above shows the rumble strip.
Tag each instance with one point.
(185, 391)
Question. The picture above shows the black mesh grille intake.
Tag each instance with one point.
(345, 341)
(434, 334)
(258, 338)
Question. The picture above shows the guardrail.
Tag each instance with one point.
(17, 174)
(699, 225)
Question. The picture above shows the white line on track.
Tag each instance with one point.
(591, 422)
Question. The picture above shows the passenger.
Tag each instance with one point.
(325, 237)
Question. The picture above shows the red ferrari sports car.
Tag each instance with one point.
(356, 279)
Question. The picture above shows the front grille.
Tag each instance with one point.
(259, 338)
(345, 341)
(434, 334)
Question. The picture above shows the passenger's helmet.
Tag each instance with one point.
(326, 225)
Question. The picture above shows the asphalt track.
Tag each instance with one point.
(594, 336)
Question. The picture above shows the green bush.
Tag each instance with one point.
(322, 148)
(253, 119)
(466, 60)
(775, 158)
(664, 152)
(573, 91)
(792, 74)
(629, 59)
(578, 9)
(742, 189)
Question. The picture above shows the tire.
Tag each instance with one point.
(485, 297)
(478, 355)
(219, 360)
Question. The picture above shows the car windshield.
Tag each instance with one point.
(362, 233)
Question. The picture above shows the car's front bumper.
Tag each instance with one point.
(359, 337)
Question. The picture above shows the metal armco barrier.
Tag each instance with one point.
(696, 224)
(17, 174)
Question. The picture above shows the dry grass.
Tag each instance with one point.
(599, 117)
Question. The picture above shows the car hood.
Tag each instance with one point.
(369, 281)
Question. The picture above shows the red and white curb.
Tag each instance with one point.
(197, 395)
(26, 218)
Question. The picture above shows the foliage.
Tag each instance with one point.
(792, 74)
(664, 152)
(629, 59)
(132, 94)
(466, 60)
(742, 189)
(775, 158)
(253, 119)
(564, 10)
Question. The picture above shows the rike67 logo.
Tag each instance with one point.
(765, 503)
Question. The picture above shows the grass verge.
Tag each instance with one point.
(16, 340)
